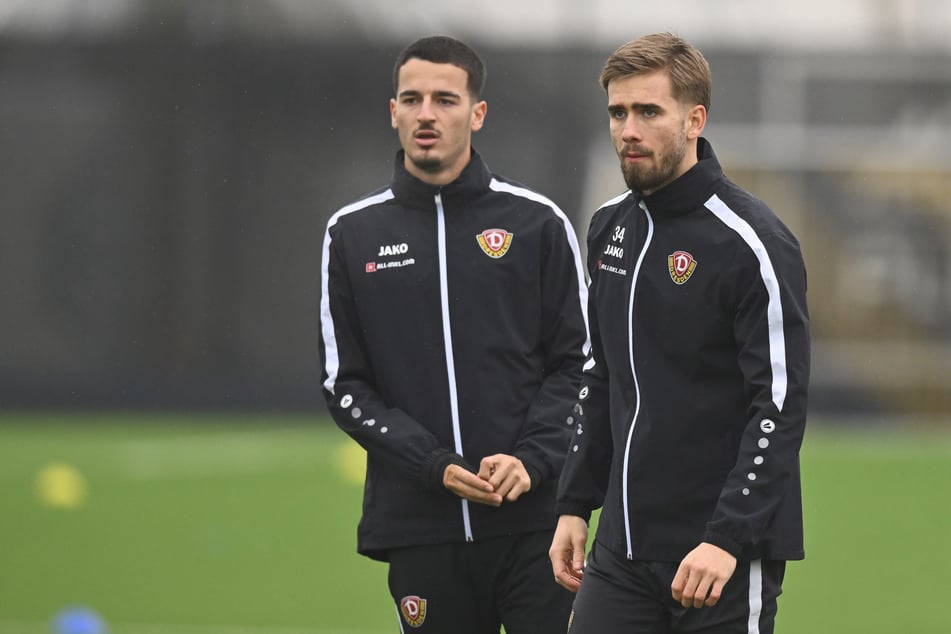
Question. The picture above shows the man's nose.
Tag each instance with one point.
(426, 112)
(631, 131)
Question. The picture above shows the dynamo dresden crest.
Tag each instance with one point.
(413, 610)
(681, 266)
(495, 242)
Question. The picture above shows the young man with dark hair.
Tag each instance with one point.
(694, 395)
(452, 337)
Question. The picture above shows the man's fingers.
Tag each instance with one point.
(456, 476)
(513, 486)
(568, 581)
(577, 561)
(506, 474)
(567, 551)
(677, 585)
(475, 489)
(495, 469)
(569, 570)
(702, 575)
(490, 499)
(470, 486)
(500, 477)
(700, 593)
(565, 574)
(487, 468)
(479, 496)
(715, 593)
(577, 566)
(690, 587)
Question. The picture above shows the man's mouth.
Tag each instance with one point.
(634, 155)
(426, 138)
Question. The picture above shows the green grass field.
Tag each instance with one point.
(246, 525)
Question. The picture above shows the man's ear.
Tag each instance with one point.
(393, 113)
(478, 115)
(696, 121)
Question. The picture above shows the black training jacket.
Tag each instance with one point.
(452, 328)
(693, 399)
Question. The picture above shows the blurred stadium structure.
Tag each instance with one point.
(168, 167)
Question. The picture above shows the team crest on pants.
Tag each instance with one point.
(681, 265)
(413, 610)
(495, 242)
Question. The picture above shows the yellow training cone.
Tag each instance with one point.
(60, 485)
(351, 461)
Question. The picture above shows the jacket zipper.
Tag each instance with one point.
(637, 388)
(447, 339)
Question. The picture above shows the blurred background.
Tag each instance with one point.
(166, 171)
(168, 168)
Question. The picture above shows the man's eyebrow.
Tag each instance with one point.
(635, 106)
(438, 93)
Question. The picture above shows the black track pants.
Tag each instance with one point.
(619, 596)
(474, 588)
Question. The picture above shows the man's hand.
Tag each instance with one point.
(469, 486)
(567, 551)
(702, 575)
(506, 474)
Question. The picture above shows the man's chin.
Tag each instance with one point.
(641, 182)
(426, 163)
(634, 181)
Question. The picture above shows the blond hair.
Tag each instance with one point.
(689, 71)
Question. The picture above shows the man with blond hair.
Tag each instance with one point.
(693, 400)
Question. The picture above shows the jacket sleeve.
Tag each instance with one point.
(388, 434)
(564, 334)
(771, 328)
(584, 480)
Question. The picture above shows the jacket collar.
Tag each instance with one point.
(471, 183)
(691, 189)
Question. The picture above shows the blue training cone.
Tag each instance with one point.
(77, 620)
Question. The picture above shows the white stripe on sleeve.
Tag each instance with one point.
(332, 363)
(774, 310)
(499, 186)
